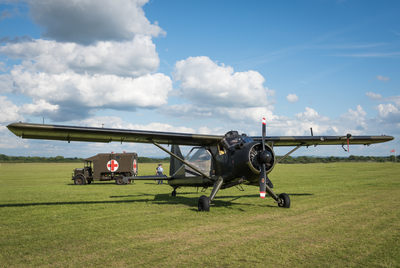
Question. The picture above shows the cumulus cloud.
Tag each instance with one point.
(10, 141)
(309, 115)
(292, 98)
(389, 110)
(8, 111)
(382, 78)
(204, 81)
(39, 107)
(70, 91)
(102, 57)
(117, 122)
(129, 58)
(88, 21)
(374, 96)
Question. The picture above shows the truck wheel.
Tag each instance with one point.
(119, 181)
(79, 180)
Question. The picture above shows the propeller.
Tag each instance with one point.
(348, 142)
(262, 173)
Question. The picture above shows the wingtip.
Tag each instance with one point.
(13, 127)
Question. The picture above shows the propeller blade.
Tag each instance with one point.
(264, 132)
(262, 173)
(348, 142)
(262, 181)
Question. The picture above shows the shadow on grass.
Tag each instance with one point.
(161, 199)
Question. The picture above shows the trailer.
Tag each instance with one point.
(107, 167)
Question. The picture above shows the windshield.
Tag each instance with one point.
(233, 138)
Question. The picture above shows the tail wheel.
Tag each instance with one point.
(79, 180)
(204, 203)
(284, 201)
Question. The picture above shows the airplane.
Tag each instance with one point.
(217, 161)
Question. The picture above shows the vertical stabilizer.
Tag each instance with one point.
(176, 165)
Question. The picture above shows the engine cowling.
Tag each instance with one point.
(248, 158)
(257, 156)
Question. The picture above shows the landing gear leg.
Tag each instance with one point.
(283, 199)
(204, 201)
(173, 194)
(269, 182)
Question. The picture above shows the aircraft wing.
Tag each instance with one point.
(323, 140)
(75, 133)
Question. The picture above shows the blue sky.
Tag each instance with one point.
(200, 67)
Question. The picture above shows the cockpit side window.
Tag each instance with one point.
(201, 158)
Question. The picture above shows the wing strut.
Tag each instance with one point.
(182, 160)
(289, 153)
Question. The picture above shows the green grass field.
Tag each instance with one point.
(342, 215)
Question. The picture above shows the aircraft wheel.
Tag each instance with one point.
(173, 194)
(119, 181)
(79, 180)
(204, 203)
(284, 201)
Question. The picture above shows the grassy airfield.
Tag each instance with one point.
(342, 214)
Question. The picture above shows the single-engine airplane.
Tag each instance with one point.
(215, 161)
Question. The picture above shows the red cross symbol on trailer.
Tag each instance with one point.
(112, 165)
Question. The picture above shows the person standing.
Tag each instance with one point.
(160, 171)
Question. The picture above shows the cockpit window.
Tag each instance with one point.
(200, 158)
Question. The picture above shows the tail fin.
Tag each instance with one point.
(176, 166)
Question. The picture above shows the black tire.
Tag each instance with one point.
(79, 179)
(173, 194)
(284, 200)
(119, 181)
(204, 203)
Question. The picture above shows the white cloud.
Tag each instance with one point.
(309, 114)
(74, 95)
(117, 122)
(10, 141)
(135, 57)
(374, 96)
(88, 21)
(292, 98)
(358, 113)
(354, 121)
(113, 66)
(9, 112)
(208, 83)
(382, 78)
(385, 110)
(39, 107)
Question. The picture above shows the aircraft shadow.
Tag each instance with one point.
(161, 199)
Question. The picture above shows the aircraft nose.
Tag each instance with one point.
(265, 157)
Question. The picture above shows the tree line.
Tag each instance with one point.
(288, 160)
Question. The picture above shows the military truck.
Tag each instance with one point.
(107, 167)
